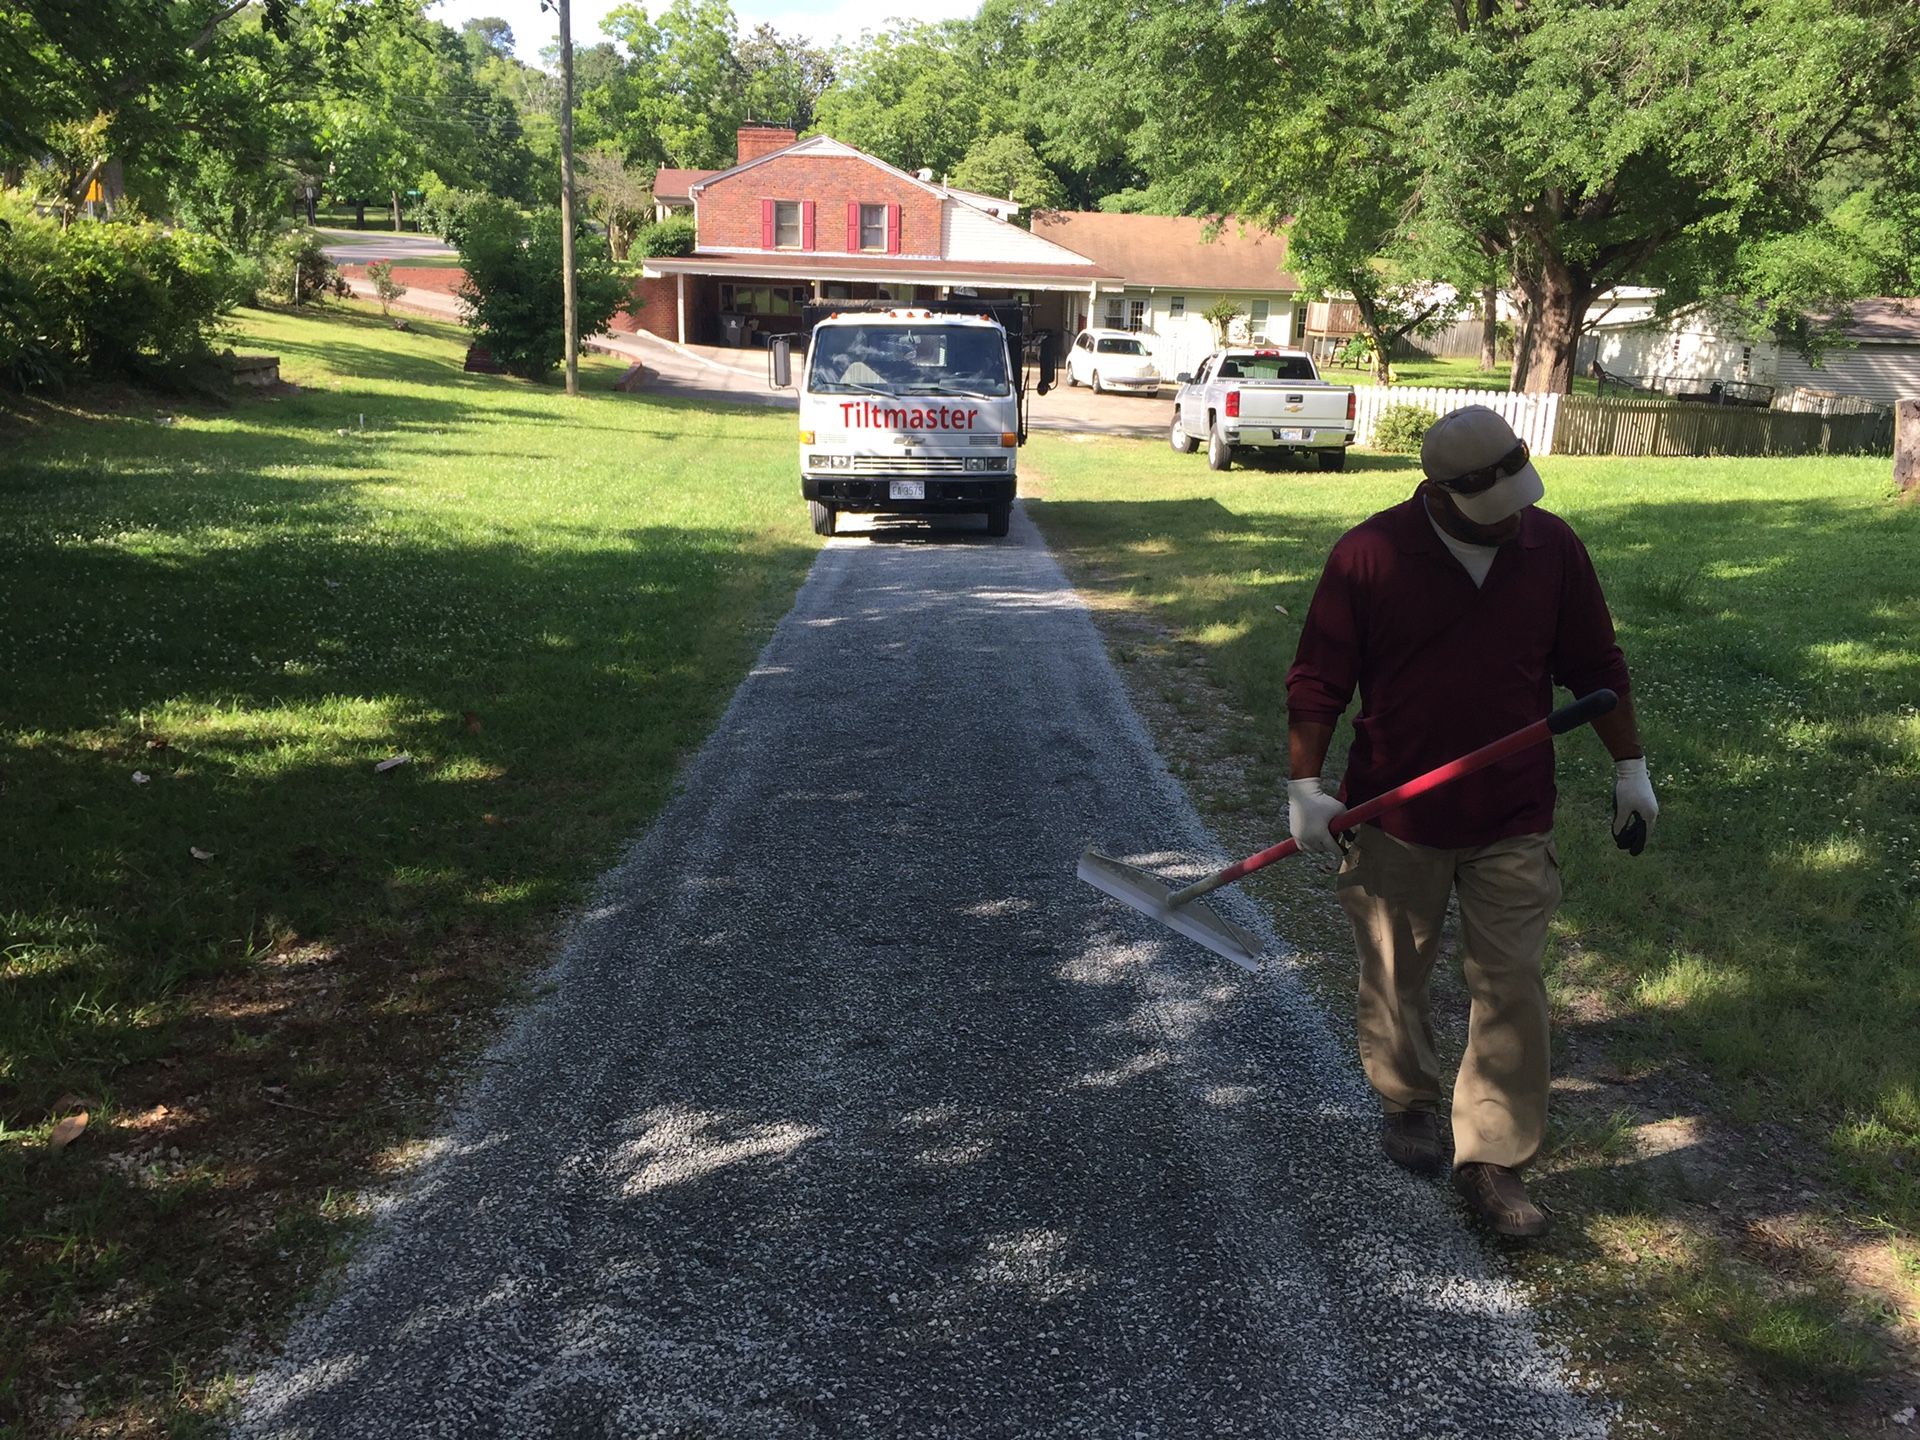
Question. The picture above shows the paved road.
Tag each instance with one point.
(850, 1112)
(363, 247)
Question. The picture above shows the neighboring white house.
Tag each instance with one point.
(1882, 362)
(1692, 349)
(1172, 273)
(1879, 359)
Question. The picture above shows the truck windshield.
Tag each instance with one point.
(1266, 367)
(908, 360)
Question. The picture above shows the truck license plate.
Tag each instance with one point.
(906, 489)
(1292, 434)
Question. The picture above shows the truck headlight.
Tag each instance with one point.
(976, 462)
(818, 462)
(841, 462)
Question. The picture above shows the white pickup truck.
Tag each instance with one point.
(1257, 398)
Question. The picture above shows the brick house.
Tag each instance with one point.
(799, 220)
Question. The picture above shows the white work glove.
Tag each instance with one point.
(1310, 810)
(1634, 808)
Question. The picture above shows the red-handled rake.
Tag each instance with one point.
(1177, 908)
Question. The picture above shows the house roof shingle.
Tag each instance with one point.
(671, 184)
(1173, 250)
(1886, 320)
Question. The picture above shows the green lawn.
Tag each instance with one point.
(218, 622)
(1457, 373)
(1762, 959)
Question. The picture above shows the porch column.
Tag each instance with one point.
(680, 307)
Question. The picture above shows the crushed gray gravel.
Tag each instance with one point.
(850, 1112)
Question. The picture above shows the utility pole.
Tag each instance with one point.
(572, 303)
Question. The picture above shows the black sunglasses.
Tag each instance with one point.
(1474, 481)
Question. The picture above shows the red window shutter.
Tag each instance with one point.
(806, 224)
(853, 226)
(766, 225)
(893, 229)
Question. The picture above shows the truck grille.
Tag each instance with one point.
(908, 464)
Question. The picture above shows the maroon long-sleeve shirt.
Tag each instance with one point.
(1443, 667)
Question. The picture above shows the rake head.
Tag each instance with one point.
(1149, 895)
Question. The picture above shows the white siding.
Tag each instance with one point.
(970, 234)
(1181, 342)
(1686, 351)
(1883, 373)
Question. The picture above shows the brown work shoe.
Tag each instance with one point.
(1411, 1139)
(1495, 1194)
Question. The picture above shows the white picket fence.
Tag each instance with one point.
(1532, 417)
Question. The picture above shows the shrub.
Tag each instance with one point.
(512, 293)
(445, 212)
(672, 236)
(106, 299)
(380, 272)
(1221, 315)
(297, 269)
(1401, 428)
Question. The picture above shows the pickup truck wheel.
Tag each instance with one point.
(1333, 459)
(1219, 452)
(824, 517)
(1177, 437)
(998, 520)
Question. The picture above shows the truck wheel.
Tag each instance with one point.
(1098, 388)
(824, 517)
(1177, 437)
(998, 520)
(1219, 452)
(1333, 459)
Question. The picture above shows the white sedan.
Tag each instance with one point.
(1111, 360)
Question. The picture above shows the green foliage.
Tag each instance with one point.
(296, 269)
(385, 287)
(915, 95)
(1401, 428)
(671, 236)
(512, 294)
(1221, 315)
(443, 210)
(618, 195)
(1007, 165)
(106, 299)
(677, 99)
(1574, 144)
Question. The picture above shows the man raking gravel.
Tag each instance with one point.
(1454, 614)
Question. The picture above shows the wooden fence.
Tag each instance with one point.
(1577, 425)
(1653, 427)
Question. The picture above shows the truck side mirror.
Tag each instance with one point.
(1185, 377)
(780, 362)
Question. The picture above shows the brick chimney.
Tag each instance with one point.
(756, 140)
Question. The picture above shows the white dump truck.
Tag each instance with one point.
(910, 409)
(1252, 397)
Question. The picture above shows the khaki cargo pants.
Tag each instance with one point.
(1396, 895)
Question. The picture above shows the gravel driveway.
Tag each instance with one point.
(849, 1112)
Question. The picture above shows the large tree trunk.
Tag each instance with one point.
(1557, 300)
(359, 214)
(1489, 326)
